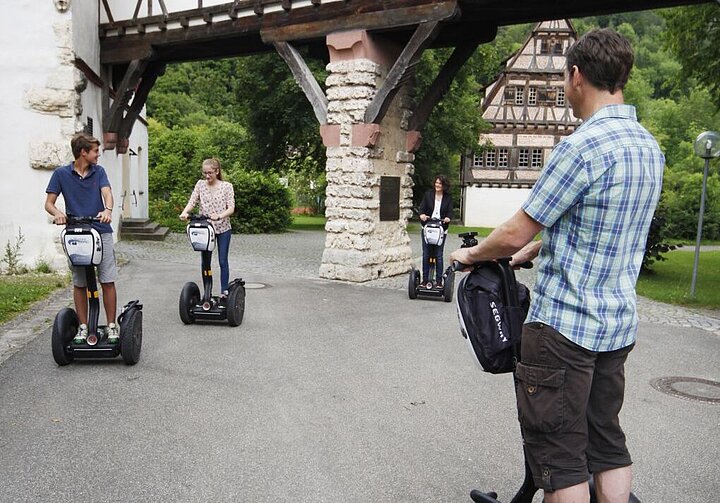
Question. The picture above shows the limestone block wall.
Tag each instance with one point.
(360, 247)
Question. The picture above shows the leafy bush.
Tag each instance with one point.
(656, 244)
(681, 198)
(262, 203)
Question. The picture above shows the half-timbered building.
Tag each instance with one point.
(529, 114)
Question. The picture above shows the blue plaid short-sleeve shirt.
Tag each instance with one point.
(595, 197)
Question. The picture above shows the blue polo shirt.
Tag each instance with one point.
(595, 197)
(82, 195)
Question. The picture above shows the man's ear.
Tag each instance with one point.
(576, 76)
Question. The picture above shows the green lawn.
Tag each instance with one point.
(18, 292)
(670, 280)
(307, 223)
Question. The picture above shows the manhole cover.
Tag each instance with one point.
(255, 286)
(691, 388)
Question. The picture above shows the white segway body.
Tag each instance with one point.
(82, 245)
(201, 235)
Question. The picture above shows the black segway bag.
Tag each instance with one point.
(492, 307)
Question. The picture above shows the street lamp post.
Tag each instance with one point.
(707, 146)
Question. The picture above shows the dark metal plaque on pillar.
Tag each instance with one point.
(389, 198)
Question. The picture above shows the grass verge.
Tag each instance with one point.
(18, 292)
(669, 281)
(307, 223)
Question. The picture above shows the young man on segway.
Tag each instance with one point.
(593, 202)
(86, 190)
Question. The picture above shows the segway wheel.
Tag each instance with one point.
(64, 329)
(448, 286)
(131, 336)
(236, 306)
(413, 283)
(189, 298)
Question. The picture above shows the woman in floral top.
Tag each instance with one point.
(217, 201)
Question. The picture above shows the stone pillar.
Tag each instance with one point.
(359, 246)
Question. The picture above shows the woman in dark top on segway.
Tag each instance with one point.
(436, 204)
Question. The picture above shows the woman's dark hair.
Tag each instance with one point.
(444, 180)
(604, 57)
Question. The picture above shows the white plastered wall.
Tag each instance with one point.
(491, 206)
(38, 82)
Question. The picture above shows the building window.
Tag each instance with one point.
(532, 96)
(544, 48)
(557, 48)
(502, 160)
(523, 158)
(536, 161)
(519, 92)
(477, 160)
(88, 129)
(490, 159)
(560, 97)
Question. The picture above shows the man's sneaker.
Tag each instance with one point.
(81, 335)
(113, 333)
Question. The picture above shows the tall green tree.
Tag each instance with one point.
(693, 33)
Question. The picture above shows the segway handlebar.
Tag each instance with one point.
(196, 218)
(73, 220)
(459, 266)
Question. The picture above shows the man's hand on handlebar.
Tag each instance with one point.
(526, 254)
(183, 216)
(423, 217)
(60, 219)
(105, 216)
(462, 255)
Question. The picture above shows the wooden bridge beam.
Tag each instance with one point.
(305, 78)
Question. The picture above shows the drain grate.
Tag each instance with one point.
(255, 286)
(690, 388)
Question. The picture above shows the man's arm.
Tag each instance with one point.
(58, 216)
(507, 239)
(108, 202)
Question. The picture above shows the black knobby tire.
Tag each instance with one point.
(449, 286)
(64, 329)
(189, 298)
(131, 336)
(413, 283)
(236, 306)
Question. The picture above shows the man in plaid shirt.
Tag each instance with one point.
(593, 203)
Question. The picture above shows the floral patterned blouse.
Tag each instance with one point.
(214, 202)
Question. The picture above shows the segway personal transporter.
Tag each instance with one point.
(433, 234)
(195, 307)
(83, 247)
(499, 287)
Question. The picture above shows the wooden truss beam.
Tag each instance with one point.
(402, 70)
(370, 19)
(123, 94)
(305, 78)
(147, 81)
(441, 84)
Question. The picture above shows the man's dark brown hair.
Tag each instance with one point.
(82, 141)
(604, 57)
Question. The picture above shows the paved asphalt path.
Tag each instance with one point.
(328, 392)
